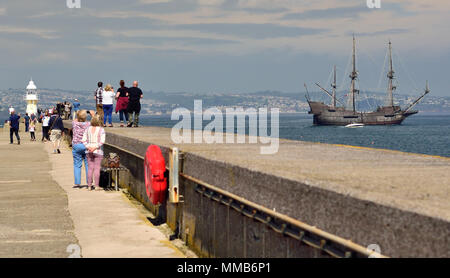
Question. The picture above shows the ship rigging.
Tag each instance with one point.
(389, 114)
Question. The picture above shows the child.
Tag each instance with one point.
(32, 129)
(93, 140)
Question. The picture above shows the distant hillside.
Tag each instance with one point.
(164, 103)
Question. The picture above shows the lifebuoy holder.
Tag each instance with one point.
(154, 170)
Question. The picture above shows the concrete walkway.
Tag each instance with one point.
(34, 216)
(41, 214)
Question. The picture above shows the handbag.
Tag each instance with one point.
(113, 160)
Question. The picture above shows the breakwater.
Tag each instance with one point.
(239, 203)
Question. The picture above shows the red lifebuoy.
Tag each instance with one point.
(155, 182)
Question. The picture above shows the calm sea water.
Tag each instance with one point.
(426, 134)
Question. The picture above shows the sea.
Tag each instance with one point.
(424, 134)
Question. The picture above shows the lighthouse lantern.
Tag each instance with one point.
(31, 98)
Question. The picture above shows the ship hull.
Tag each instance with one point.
(326, 115)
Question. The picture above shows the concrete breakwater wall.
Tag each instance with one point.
(208, 227)
(335, 203)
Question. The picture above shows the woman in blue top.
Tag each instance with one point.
(76, 107)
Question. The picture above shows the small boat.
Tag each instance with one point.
(354, 125)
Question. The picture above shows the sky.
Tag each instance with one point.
(222, 46)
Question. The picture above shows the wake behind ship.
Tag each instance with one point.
(332, 114)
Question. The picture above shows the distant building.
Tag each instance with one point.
(31, 98)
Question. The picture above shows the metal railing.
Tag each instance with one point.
(328, 243)
(331, 244)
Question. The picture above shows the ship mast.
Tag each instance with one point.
(353, 76)
(390, 75)
(334, 88)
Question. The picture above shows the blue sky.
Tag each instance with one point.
(221, 45)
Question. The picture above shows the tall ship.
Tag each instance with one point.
(337, 113)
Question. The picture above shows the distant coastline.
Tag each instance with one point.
(161, 103)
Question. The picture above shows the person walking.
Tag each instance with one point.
(56, 131)
(67, 108)
(39, 113)
(14, 126)
(27, 122)
(59, 108)
(99, 100)
(122, 103)
(76, 107)
(45, 126)
(93, 140)
(108, 101)
(33, 122)
(79, 126)
(134, 104)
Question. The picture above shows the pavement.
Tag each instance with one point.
(34, 218)
(42, 215)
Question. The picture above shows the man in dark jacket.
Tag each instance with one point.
(39, 112)
(14, 126)
(56, 131)
(58, 108)
(134, 104)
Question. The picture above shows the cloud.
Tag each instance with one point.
(42, 33)
(236, 5)
(330, 13)
(251, 30)
(155, 37)
(49, 57)
(352, 11)
(400, 8)
(154, 1)
(392, 31)
(170, 6)
(118, 46)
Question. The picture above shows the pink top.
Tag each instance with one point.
(78, 129)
